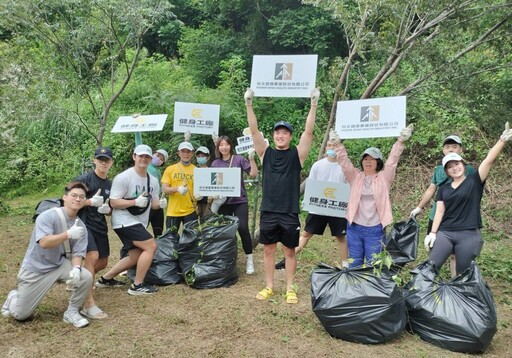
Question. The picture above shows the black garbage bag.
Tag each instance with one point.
(207, 252)
(459, 315)
(165, 269)
(356, 305)
(402, 242)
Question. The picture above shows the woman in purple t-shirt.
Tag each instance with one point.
(237, 206)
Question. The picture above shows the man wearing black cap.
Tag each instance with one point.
(279, 219)
(93, 215)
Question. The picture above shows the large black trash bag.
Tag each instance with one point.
(458, 315)
(207, 252)
(402, 242)
(356, 305)
(165, 269)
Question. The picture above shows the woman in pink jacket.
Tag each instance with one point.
(369, 205)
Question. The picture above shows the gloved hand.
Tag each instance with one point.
(163, 203)
(415, 212)
(76, 232)
(215, 137)
(183, 189)
(217, 203)
(334, 138)
(74, 277)
(198, 197)
(507, 133)
(315, 94)
(251, 152)
(187, 136)
(249, 94)
(97, 199)
(141, 201)
(105, 208)
(429, 241)
(406, 133)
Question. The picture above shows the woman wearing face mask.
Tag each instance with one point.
(156, 216)
(369, 205)
(224, 151)
(202, 158)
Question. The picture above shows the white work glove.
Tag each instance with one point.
(251, 152)
(97, 199)
(198, 197)
(415, 212)
(507, 133)
(215, 137)
(217, 203)
(141, 201)
(105, 208)
(334, 138)
(315, 94)
(163, 203)
(187, 136)
(406, 133)
(249, 94)
(182, 189)
(429, 241)
(76, 232)
(74, 277)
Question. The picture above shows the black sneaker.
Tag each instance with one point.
(280, 265)
(103, 282)
(142, 289)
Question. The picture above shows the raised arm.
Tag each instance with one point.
(259, 142)
(306, 139)
(487, 163)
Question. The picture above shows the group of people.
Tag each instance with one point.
(71, 243)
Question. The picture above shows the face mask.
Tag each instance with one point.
(202, 160)
(331, 153)
(156, 161)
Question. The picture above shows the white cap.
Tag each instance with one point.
(451, 157)
(203, 150)
(185, 145)
(375, 153)
(164, 153)
(452, 138)
(143, 149)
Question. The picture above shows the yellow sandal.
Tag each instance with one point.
(291, 297)
(264, 294)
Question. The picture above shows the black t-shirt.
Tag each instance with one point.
(462, 205)
(93, 220)
(281, 181)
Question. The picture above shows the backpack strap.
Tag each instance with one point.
(67, 247)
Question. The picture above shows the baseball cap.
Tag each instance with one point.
(185, 145)
(285, 125)
(143, 149)
(203, 150)
(164, 153)
(451, 157)
(375, 153)
(452, 138)
(104, 152)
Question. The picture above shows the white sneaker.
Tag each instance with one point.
(5, 308)
(75, 319)
(249, 268)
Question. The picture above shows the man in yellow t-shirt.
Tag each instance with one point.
(178, 183)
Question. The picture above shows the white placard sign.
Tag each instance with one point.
(371, 118)
(217, 181)
(141, 123)
(284, 75)
(245, 143)
(326, 198)
(197, 118)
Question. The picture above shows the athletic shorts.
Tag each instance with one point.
(316, 224)
(279, 227)
(129, 234)
(98, 242)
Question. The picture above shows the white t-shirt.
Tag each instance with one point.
(324, 170)
(127, 185)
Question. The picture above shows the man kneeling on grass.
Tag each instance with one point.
(55, 253)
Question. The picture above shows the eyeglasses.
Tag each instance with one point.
(76, 196)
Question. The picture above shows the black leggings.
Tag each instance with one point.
(241, 211)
